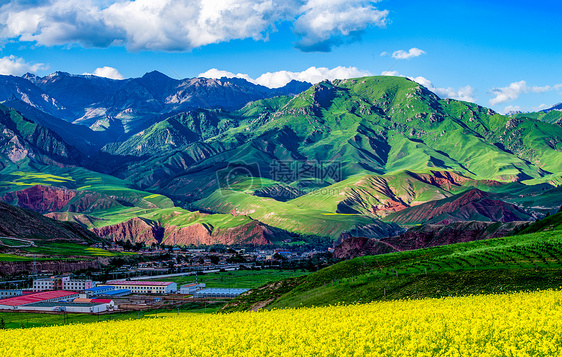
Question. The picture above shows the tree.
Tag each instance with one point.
(278, 256)
(128, 245)
(171, 266)
(2, 323)
(236, 259)
(215, 259)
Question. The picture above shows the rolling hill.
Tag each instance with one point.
(473, 205)
(22, 223)
(498, 265)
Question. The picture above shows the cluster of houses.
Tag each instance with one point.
(64, 294)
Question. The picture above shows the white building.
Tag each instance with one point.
(190, 289)
(145, 287)
(5, 293)
(93, 306)
(61, 283)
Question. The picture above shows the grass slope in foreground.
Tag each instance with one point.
(531, 261)
(523, 324)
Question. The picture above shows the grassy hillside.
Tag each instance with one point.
(242, 279)
(394, 144)
(43, 237)
(550, 223)
(288, 216)
(520, 262)
(553, 116)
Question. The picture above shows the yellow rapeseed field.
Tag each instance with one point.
(520, 324)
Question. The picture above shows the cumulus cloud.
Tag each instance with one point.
(391, 73)
(107, 72)
(181, 25)
(465, 93)
(12, 65)
(517, 109)
(509, 93)
(515, 89)
(411, 53)
(325, 23)
(512, 109)
(281, 78)
(217, 73)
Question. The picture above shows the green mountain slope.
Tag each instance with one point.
(515, 263)
(22, 139)
(552, 116)
(550, 223)
(288, 216)
(175, 132)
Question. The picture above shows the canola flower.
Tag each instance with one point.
(518, 324)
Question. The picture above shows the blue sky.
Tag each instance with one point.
(499, 54)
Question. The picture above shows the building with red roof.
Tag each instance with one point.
(19, 302)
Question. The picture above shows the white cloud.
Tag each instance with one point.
(281, 78)
(107, 72)
(391, 73)
(384, 54)
(411, 53)
(516, 108)
(423, 81)
(465, 93)
(217, 73)
(509, 93)
(536, 89)
(324, 23)
(515, 89)
(512, 109)
(181, 25)
(12, 65)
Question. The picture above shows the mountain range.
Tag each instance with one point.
(117, 109)
(204, 161)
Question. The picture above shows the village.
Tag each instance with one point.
(64, 294)
(147, 282)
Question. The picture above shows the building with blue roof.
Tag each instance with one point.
(116, 293)
(95, 291)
